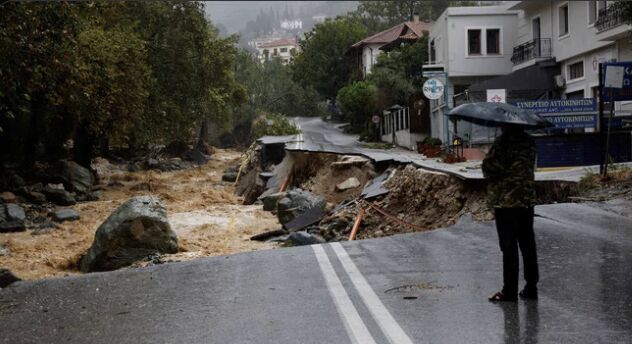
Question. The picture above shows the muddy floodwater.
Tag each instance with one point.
(204, 212)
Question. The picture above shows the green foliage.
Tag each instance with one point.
(381, 15)
(136, 72)
(322, 63)
(357, 102)
(273, 124)
(626, 7)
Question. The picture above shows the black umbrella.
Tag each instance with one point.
(498, 114)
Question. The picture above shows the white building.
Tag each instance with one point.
(468, 45)
(368, 49)
(576, 34)
(281, 48)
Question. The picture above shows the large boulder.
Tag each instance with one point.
(75, 177)
(135, 230)
(295, 203)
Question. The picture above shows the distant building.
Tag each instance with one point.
(368, 49)
(291, 24)
(281, 48)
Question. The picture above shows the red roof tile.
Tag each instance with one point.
(407, 30)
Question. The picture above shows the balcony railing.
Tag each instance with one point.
(535, 48)
(610, 17)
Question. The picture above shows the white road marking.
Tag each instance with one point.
(356, 329)
(382, 316)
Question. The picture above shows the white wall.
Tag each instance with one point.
(370, 53)
(460, 64)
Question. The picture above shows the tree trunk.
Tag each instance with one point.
(203, 136)
(84, 146)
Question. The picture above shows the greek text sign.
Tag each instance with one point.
(559, 105)
(572, 121)
(623, 93)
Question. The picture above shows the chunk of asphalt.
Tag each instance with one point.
(267, 235)
(305, 219)
(376, 187)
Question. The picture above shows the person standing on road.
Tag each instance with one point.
(509, 169)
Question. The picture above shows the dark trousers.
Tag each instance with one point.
(515, 228)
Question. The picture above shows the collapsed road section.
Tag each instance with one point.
(322, 191)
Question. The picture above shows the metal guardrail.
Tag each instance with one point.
(535, 48)
(609, 18)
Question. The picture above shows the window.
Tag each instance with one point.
(493, 41)
(284, 50)
(592, 12)
(575, 95)
(433, 52)
(563, 20)
(474, 42)
(576, 70)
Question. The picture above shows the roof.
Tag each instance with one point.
(407, 30)
(279, 43)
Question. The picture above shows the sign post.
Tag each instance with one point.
(614, 78)
(432, 75)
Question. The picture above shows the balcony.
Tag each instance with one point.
(609, 18)
(533, 49)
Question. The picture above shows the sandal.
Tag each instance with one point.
(500, 297)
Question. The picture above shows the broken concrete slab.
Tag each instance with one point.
(350, 183)
(307, 218)
(348, 161)
(376, 187)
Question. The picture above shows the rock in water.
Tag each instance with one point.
(7, 278)
(15, 212)
(59, 196)
(61, 215)
(350, 183)
(75, 177)
(12, 218)
(136, 229)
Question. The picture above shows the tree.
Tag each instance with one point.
(322, 63)
(380, 15)
(357, 102)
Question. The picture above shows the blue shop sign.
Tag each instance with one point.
(619, 94)
(559, 105)
(569, 121)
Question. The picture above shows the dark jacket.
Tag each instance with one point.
(509, 168)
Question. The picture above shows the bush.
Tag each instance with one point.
(357, 103)
(273, 124)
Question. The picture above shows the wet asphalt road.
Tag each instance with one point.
(417, 288)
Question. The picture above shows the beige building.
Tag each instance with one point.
(280, 48)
